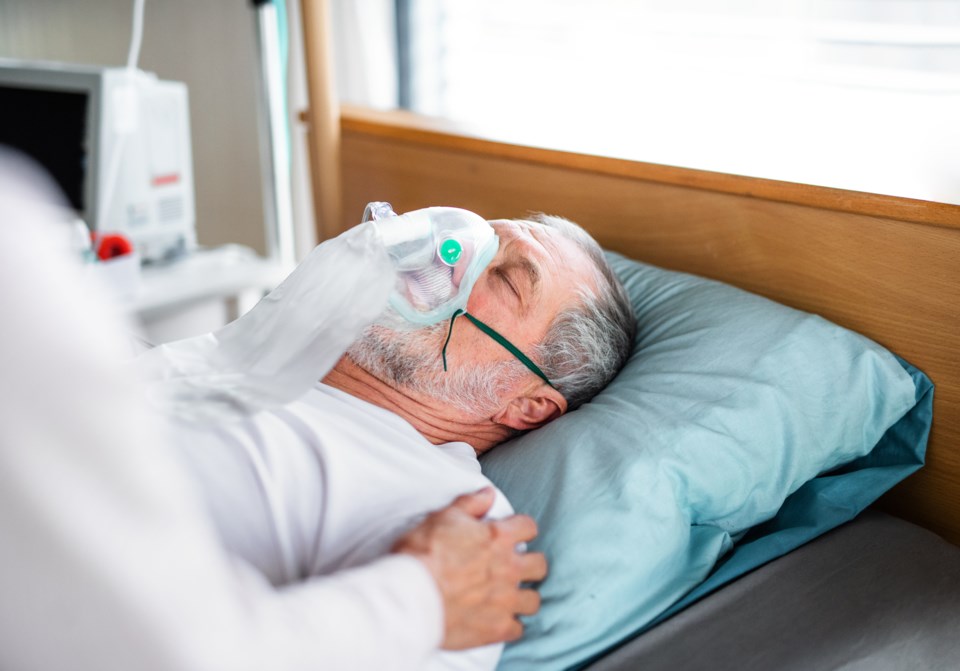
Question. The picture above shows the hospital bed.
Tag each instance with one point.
(882, 591)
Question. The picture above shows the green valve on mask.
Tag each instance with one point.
(450, 251)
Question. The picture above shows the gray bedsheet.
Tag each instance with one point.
(876, 594)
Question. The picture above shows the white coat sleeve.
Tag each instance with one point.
(108, 559)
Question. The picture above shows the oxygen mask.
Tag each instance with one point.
(438, 252)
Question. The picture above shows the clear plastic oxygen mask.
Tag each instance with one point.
(438, 253)
(424, 264)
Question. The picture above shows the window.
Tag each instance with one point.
(854, 94)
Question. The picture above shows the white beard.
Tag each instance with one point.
(412, 360)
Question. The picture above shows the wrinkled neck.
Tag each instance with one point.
(434, 419)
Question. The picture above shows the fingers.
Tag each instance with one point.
(478, 569)
(516, 528)
(482, 585)
(528, 602)
(476, 504)
(533, 567)
(513, 631)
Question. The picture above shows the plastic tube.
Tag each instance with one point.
(289, 340)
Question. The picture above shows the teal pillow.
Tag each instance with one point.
(729, 404)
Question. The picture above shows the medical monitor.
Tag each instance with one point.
(116, 141)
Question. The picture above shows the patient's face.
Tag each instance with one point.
(535, 275)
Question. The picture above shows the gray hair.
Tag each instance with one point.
(588, 343)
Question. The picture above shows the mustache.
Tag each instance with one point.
(411, 360)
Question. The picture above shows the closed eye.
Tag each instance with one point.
(506, 280)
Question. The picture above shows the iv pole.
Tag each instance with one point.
(274, 139)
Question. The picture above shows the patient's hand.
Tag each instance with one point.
(478, 569)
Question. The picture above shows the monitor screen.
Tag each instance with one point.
(51, 127)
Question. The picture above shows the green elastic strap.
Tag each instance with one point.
(503, 342)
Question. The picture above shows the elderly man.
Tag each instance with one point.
(548, 289)
(343, 477)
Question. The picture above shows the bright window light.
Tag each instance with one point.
(853, 94)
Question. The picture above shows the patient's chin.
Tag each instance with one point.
(401, 358)
(411, 361)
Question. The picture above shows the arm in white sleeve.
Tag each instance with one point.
(108, 560)
(395, 597)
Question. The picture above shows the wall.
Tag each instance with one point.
(210, 45)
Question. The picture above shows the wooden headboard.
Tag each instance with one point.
(886, 267)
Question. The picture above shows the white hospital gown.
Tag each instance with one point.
(328, 483)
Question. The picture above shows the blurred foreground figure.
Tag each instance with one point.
(109, 560)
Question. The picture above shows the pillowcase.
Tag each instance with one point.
(729, 404)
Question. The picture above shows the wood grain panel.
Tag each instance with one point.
(895, 281)
(322, 116)
(458, 138)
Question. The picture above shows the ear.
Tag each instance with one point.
(532, 409)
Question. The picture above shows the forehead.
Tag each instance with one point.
(541, 242)
(536, 274)
(560, 261)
